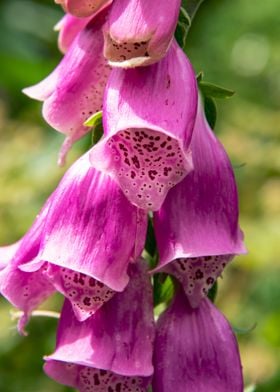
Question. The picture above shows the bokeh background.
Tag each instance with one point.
(236, 44)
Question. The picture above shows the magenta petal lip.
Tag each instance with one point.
(7, 253)
(25, 290)
(146, 147)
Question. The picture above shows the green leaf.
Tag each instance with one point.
(184, 16)
(199, 76)
(150, 244)
(163, 289)
(97, 133)
(93, 120)
(167, 290)
(210, 111)
(212, 293)
(244, 331)
(214, 91)
(188, 10)
(180, 34)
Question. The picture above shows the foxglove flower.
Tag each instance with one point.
(197, 228)
(24, 290)
(69, 27)
(111, 350)
(91, 234)
(81, 244)
(139, 32)
(74, 90)
(195, 350)
(148, 119)
(83, 8)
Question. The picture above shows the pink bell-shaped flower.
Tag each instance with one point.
(112, 350)
(139, 32)
(195, 350)
(197, 229)
(81, 244)
(74, 90)
(148, 118)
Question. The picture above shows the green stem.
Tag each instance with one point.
(36, 313)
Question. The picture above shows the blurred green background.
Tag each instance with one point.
(236, 44)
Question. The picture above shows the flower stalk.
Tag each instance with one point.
(140, 228)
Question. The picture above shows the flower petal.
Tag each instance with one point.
(197, 227)
(91, 235)
(118, 338)
(84, 8)
(7, 253)
(74, 90)
(69, 27)
(23, 289)
(139, 32)
(86, 294)
(91, 219)
(87, 379)
(148, 119)
(195, 350)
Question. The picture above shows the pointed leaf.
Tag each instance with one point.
(210, 111)
(94, 120)
(215, 91)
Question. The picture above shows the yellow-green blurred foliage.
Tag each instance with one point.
(236, 44)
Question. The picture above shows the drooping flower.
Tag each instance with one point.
(69, 27)
(89, 233)
(139, 32)
(112, 350)
(197, 227)
(148, 119)
(83, 8)
(74, 90)
(24, 290)
(195, 350)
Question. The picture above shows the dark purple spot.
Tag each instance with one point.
(199, 274)
(210, 280)
(152, 174)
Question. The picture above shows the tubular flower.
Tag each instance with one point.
(197, 227)
(25, 290)
(195, 350)
(139, 32)
(74, 90)
(80, 244)
(83, 8)
(69, 27)
(113, 348)
(148, 120)
(91, 234)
